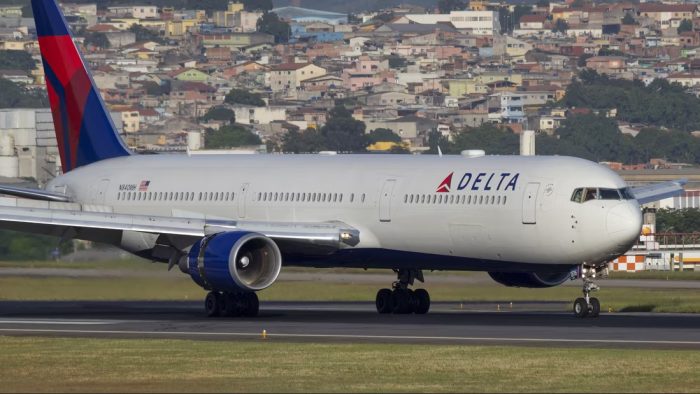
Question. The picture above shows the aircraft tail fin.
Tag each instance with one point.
(84, 129)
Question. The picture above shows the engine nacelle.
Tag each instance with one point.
(530, 279)
(234, 261)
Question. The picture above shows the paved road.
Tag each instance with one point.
(538, 324)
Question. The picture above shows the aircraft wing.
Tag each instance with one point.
(95, 223)
(32, 194)
(658, 191)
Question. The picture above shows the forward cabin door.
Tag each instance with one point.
(242, 196)
(385, 200)
(530, 203)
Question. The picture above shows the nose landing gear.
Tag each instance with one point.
(402, 300)
(588, 306)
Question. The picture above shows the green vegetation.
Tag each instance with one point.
(240, 96)
(341, 133)
(686, 25)
(219, 113)
(174, 285)
(493, 139)
(270, 23)
(445, 6)
(16, 60)
(657, 275)
(685, 220)
(257, 5)
(97, 40)
(144, 34)
(16, 96)
(660, 104)
(397, 61)
(230, 136)
(272, 365)
(560, 26)
(24, 246)
(382, 135)
(628, 19)
(508, 20)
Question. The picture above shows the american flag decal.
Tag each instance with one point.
(143, 186)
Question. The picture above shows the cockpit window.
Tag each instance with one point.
(626, 194)
(583, 194)
(609, 194)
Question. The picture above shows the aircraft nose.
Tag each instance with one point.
(624, 224)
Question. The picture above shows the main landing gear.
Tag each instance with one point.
(401, 299)
(588, 306)
(231, 304)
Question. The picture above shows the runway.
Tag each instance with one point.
(540, 324)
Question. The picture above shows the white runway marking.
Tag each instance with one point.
(352, 337)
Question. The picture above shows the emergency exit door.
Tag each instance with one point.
(530, 203)
(385, 200)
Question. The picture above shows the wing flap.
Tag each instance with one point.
(658, 191)
(33, 194)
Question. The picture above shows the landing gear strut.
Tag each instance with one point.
(588, 306)
(401, 299)
(231, 304)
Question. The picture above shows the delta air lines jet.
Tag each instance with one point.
(231, 222)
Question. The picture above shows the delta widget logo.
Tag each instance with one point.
(482, 181)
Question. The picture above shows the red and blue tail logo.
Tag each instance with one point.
(84, 130)
(446, 184)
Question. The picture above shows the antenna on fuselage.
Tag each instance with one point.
(439, 151)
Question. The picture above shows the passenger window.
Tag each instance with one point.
(481, 199)
(504, 200)
(363, 197)
(340, 197)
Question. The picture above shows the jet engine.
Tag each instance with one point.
(235, 261)
(530, 279)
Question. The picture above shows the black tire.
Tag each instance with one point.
(422, 298)
(580, 308)
(401, 300)
(212, 304)
(252, 305)
(233, 307)
(594, 308)
(384, 302)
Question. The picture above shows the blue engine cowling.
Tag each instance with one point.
(531, 279)
(234, 261)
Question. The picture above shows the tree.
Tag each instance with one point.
(445, 6)
(219, 113)
(628, 19)
(240, 96)
(686, 25)
(15, 96)
(343, 133)
(257, 5)
(382, 135)
(560, 26)
(97, 40)
(685, 220)
(271, 24)
(229, 137)
(396, 61)
(543, 3)
(24, 246)
(491, 138)
(437, 140)
(307, 141)
(16, 60)
(144, 34)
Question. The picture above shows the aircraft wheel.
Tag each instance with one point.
(252, 304)
(384, 302)
(594, 308)
(580, 307)
(213, 304)
(402, 301)
(422, 304)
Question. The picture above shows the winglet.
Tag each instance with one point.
(84, 129)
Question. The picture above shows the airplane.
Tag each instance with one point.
(231, 222)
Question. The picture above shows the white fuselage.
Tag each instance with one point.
(494, 209)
